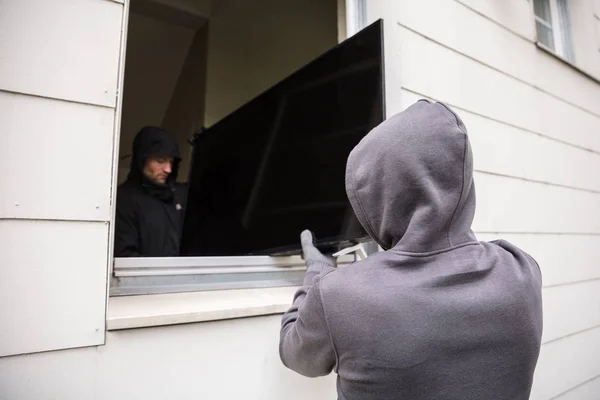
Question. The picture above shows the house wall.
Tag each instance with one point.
(59, 125)
(58, 93)
(534, 125)
(216, 360)
(533, 122)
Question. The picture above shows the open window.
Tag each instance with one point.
(192, 65)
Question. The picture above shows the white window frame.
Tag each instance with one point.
(133, 276)
(356, 16)
(140, 275)
(561, 34)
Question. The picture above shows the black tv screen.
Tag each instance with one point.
(276, 166)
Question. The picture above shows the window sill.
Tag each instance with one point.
(144, 311)
(554, 54)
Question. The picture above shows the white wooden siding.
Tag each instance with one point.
(499, 48)
(58, 86)
(183, 362)
(534, 124)
(536, 157)
(559, 304)
(586, 391)
(446, 75)
(565, 259)
(52, 284)
(566, 364)
(64, 49)
(60, 157)
(514, 205)
(516, 16)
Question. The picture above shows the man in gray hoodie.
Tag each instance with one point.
(438, 314)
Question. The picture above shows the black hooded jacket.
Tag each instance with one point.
(150, 215)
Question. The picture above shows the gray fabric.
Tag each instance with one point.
(438, 315)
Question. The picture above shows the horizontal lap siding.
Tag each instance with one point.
(534, 124)
(566, 364)
(59, 67)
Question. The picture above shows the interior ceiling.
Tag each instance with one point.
(192, 14)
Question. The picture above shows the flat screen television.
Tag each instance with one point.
(276, 166)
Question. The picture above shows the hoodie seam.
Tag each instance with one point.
(462, 188)
(436, 252)
(329, 333)
(369, 228)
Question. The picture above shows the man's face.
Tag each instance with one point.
(158, 169)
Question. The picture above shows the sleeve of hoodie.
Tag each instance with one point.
(126, 229)
(305, 344)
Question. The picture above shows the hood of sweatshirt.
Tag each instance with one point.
(410, 180)
(154, 141)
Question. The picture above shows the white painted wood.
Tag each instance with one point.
(59, 155)
(65, 375)
(515, 15)
(52, 285)
(259, 374)
(504, 149)
(562, 258)
(393, 57)
(587, 391)
(581, 15)
(596, 7)
(229, 359)
(597, 26)
(566, 363)
(435, 71)
(514, 205)
(136, 364)
(177, 308)
(115, 152)
(65, 49)
(509, 53)
(570, 309)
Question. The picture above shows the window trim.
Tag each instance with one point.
(136, 276)
(560, 32)
(148, 311)
(116, 148)
(147, 276)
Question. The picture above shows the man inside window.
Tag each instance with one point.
(438, 314)
(150, 203)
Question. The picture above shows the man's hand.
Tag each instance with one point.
(314, 259)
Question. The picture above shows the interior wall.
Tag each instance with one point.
(255, 44)
(156, 53)
(185, 112)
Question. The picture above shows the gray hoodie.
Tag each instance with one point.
(438, 314)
